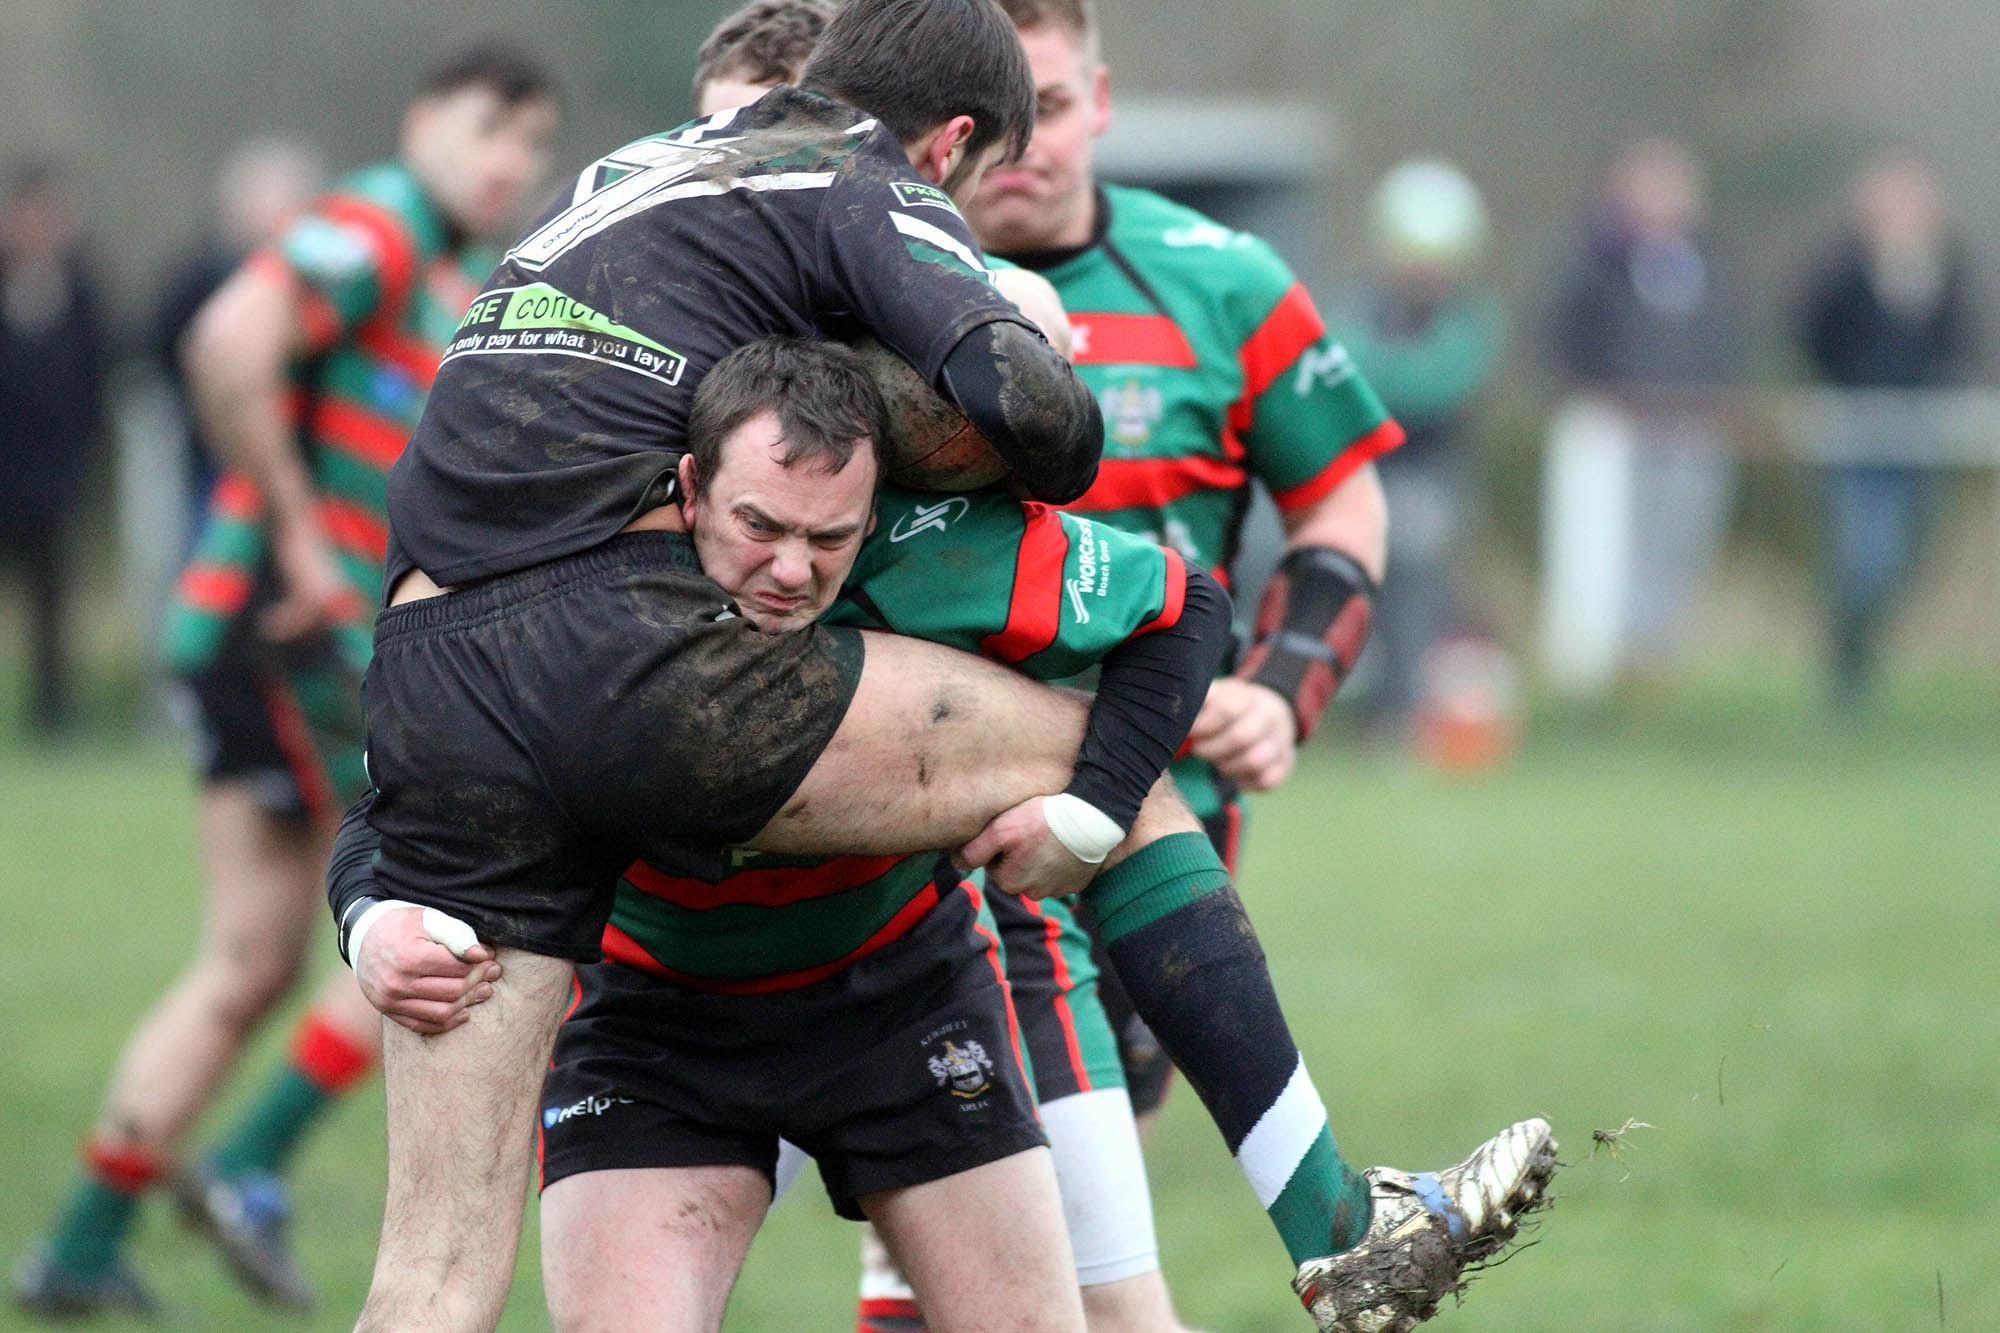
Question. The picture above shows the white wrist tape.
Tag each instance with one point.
(442, 927)
(1088, 832)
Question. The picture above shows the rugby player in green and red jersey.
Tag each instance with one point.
(852, 1005)
(321, 349)
(1213, 369)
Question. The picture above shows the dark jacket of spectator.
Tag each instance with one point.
(51, 379)
(1855, 338)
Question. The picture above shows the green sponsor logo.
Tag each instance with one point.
(540, 320)
(911, 194)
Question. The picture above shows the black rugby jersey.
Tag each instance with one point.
(560, 406)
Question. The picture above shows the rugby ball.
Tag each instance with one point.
(930, 444)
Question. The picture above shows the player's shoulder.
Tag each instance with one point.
(387, 195)
(793, 129)
(1175, 246)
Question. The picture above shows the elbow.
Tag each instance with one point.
(1030, 406)
(1078, 452)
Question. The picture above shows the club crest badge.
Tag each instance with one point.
(966, 1070)
(1132, 410)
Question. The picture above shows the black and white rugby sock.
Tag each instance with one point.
(1177, 933)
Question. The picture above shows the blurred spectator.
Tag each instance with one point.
(260, 186)
(51, 374)
(1886, 309)
(1642, 328)
(1428, 334)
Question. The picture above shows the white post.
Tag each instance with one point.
(1586, 545)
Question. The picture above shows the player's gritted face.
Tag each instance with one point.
(1044, 200)
(779, 539)
(478, 156)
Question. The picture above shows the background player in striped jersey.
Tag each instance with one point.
(1213, 369)
(319, 351)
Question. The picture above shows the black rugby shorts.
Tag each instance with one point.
(531, 735)
(895, 1071)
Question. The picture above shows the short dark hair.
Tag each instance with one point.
(514, 73)
(1079, 16)
(823, 395)
(766, 41)
(914, 64)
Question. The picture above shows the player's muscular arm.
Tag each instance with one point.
(1353, 517)
(235, 355)
(1148, 692)
(1023, 397)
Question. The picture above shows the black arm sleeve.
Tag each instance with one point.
(1148, 692)
(350, 873)
(1020, 394)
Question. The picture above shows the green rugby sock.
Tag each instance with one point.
(1174, 928)
(264, 1138)
(101, 1209)
(324, 1063)
(92, 1228)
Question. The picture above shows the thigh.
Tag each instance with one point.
(654, 1249)
(934, 743)
(460, 1116)
(985, 1249)
(262, 874)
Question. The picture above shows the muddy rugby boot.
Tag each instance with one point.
(1423, 1231)
(249, 1218)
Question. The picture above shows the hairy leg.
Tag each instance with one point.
(461, 1110)
(935, 744)
(985, 1249)
(1137, 1304)
(263, 895)
(657, 1249)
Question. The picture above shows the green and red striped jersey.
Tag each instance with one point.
(1047, 592)
(382, 284)
(1213, 367)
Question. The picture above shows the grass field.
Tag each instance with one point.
(1773, 943)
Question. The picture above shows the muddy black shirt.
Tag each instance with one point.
(560, 407)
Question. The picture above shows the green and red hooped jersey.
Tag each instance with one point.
(382, 285)
(1045, 591)
(1213, 367)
